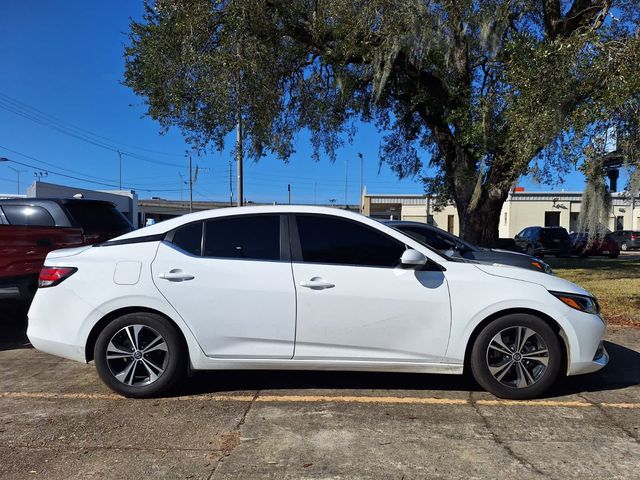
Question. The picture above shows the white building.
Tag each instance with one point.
(522, 209)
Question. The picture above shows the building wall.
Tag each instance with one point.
(521, 210)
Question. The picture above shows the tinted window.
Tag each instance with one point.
(189, 238)
(28, 215)
(428, 237)
(96, 217)
(254, 237)
(337, 241)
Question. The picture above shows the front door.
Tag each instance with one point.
(355, 303)
(230, 279)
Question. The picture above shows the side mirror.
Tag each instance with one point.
(413, 258)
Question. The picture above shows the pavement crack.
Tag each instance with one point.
(230, 446)
(610, 418)
(501, 443)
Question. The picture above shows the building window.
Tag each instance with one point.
(450, 223)
(551, 219)
(619, 222)
(505, 218)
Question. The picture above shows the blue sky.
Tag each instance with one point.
(65, 60)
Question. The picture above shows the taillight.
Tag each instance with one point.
(51, 276)
(634, 236)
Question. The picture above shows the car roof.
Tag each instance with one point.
(170, 224)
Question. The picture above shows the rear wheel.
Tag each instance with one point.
(517, 356)
(140, 355)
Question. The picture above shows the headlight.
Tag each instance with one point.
(579, 302)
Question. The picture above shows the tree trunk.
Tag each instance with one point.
(480, 225)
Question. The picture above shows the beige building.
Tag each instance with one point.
(522, 209)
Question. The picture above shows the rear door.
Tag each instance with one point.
(230, 279)
(354, 304)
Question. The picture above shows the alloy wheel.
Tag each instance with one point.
(137, 355)
(517, 357)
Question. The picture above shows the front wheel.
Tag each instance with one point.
(516, 356)
(140, 355)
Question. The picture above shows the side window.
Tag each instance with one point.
(255, 237)
(522, 234)
(337, 241)
(189, 238)
(27, 215)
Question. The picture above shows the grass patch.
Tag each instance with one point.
(614, 282)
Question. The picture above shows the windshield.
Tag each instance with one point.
(435, 238)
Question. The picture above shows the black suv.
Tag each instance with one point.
(540, 241)
(627, 239)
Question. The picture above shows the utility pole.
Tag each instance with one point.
(18, 172)
(120, 170)
(39, 175)
(361, 176)
(239, 158)
(190, 186)
(289, 190)
(346, 180)
(230, 183)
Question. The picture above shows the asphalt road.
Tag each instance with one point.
(57, 421)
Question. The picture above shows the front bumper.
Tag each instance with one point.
(587, 353)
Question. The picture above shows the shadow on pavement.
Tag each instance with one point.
(623, 371)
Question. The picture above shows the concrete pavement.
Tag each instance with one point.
(57, 420)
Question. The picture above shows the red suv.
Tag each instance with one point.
(32, 227)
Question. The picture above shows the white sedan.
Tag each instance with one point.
(295, 287)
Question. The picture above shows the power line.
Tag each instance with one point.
(69, 131)
(22, 105)
(95, 182)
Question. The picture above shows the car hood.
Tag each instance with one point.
(550, 282)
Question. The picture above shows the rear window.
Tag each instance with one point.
(28, 215)
(98, 217)
(555, 233)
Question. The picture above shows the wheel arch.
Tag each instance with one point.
(529, 311)
(108, 318)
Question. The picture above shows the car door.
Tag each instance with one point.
(355, 303)
(230, 279)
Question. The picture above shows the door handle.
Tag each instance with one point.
(176, 276)
(316, 283)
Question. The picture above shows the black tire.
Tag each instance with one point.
(530, 251)
(615, 255)
(172, 363)
(480, 357)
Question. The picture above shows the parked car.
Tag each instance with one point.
(31, 227)
(317, 288)
(451, 245)
(627, 239)
(604, 245)
(541, 241)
